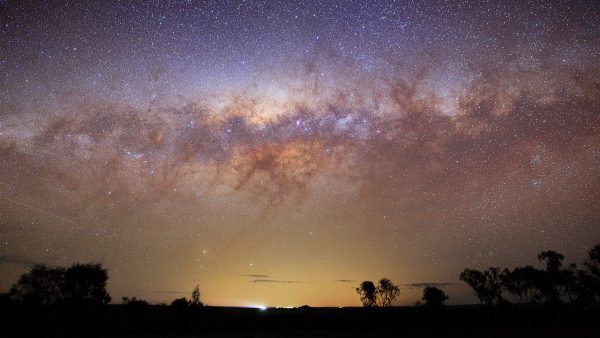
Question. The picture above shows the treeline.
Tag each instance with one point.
(555, 284)
(385, 293)
(80, 284)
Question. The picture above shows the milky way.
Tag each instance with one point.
(281, 153)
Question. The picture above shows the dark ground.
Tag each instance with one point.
(165, 321)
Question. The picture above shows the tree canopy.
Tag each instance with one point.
(387, 292)
(552, 285)
(195, 300)
(368, 293)
(524, 283)
(384, 294)
(434, 297)
(79, 284)
(486, 285)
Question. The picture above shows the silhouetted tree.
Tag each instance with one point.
(434, 297)
(80, 284)
(85, 284)
(524, 283)
(580, 289)
(195, 300)
(486, 285)
(368, 293)
(556, 279)
(387, 292)
(552, 259)
(40, 286)
(584, 286)
(592, 264)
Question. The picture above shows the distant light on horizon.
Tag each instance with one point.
(258, 306)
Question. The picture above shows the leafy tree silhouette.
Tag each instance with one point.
(184, 302)
(552, 259)
(556, 281)
(524, 283)
(387, 292)
(80, 284)
(591, 273)
(583, 288)
(580, 289)
(195, 300)
(85, 284)
(486, 285)
(41, 286)
(368, 293)
(592, 264)
(434, 297)
(556, 278)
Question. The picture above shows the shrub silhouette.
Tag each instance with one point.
(180, 303)
(434, 297)
(134, 302)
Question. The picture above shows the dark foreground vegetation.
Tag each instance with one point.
(167, 321)
(555, 301)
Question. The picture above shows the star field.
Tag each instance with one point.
(282, 152)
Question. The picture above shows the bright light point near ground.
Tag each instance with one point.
(258, 306)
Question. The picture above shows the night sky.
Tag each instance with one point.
(280, 152)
